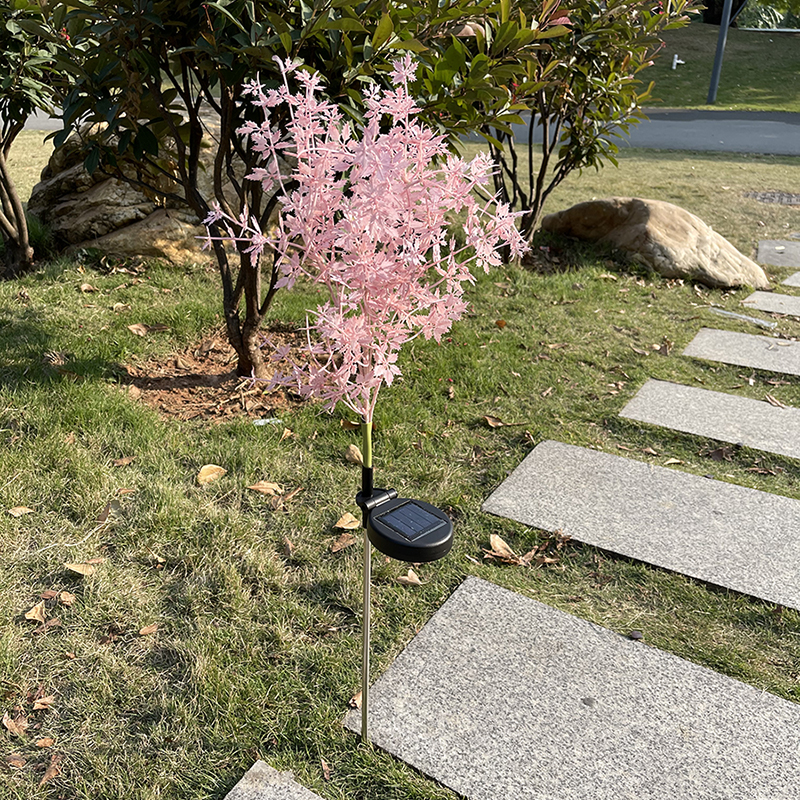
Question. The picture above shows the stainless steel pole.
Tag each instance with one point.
(365, 645)
(721, 40)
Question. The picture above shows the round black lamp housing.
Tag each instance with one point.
(410, 530)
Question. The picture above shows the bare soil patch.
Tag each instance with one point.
(200, 382)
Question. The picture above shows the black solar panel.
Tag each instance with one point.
(411, 520)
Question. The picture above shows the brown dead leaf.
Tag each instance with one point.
(210, 473)
(84, 569)
(347, 522)
(349, 426)
(639, 351)
(326, 769)
(547, 392)
(15, 760)
(53, 770)
(66, 598)
(19, 511)
(355, 700)
(110, 514)
(44, 703)
(292, 494)
(501, 323)
(149, 629)
(46, 742)
(494, 422)
(500, 551)
(649, 451)
(773, 401)
(140, 329)
(353, 455)
(288, 547)
(123, 462)
(410, 578)
(720, 453)
(672, 461)
(345, 540)
(87, 288)
(17, 725)
(49, 594)
(267, 488)
(286, 434)
(37, 613)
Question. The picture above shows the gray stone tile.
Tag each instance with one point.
(727, 417)
(746, 350)
(779, 253)
(262, 782)
(719, 532)
(500, 697)
(793, 280)
(775, 303)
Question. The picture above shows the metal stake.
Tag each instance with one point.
(365, 647)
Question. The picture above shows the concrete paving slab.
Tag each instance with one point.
(746, 350)
(500, 696)
(726, 417)
(779, 252)
(774, 302)
(729, 535)
(262, 782)
(793, 280)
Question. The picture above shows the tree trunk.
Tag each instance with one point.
(17, 258)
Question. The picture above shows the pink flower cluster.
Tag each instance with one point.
(366, 213)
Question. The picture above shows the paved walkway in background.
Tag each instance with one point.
(714, 131)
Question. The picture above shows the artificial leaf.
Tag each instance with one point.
(353, 455)
(44, 703)
(84, 569)
(410, 578)
(37, 613)
(66, 598)
(15, 760)
(53, 770)
(345, 540)
(46, 742)
(266, 487)
(347, 522)
(16, 726)
(19, 511)
(210, 473)
(149, 629)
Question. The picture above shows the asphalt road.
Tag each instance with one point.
(772, 133)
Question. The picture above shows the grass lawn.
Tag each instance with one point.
(760, 70)
(216, 628)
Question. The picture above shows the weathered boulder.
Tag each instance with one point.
(663, 237)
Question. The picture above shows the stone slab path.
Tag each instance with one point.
(746, 350)
(779, 252)
(502, 697)
(262, 782)
(774, 303)
(726, 417)
(793, 280)
(729, 535)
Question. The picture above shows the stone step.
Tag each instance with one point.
(779, 252)
(727, 417)
(774, 303)
(729, 535)
(500, 697)
(262, 782)
(746, 350)
(793, 280)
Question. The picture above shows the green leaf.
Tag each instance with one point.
(409, 44)
(344, 24)
(384, 30)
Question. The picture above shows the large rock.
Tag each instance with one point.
(664, 237)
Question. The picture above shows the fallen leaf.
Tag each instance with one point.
(286, 434)
(607, 276)
(118, 308)
(44, 703)
(326, 769)
(500, 547)
(292, 494)
(49, 594)
(138, 329)
(501, 323)
(494, 422)
(86, 288)
(37, 613)
(15, 760)
(451, 393)
(410, 579)
(123, 462)
(720, 453)
(16, 726)
(288, 547)
(353, 455)
(347, 522)
(349, 426)
(267, 487)
(649, 451)
(673, 461)
(773, 401)
(53, 770)
(110, 514)
(46, 742)
(95, 560)
(82, 569)
(345, 540)
(148, 629)
(19, 511)
(355, 700)
(210, 473)
(639, 351)
(547, 392)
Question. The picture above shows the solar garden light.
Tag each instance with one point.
(404, 529)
